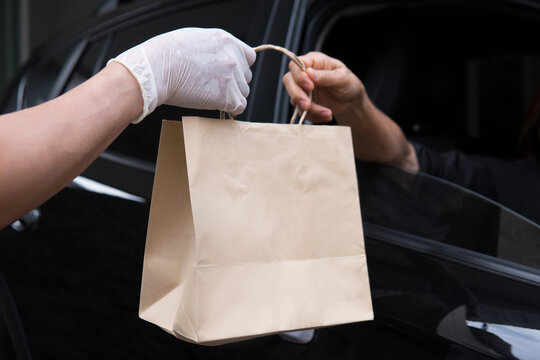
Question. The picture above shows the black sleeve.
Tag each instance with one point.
(512, 183)
(471, 172)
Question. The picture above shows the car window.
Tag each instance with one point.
(10, 100)
(233, 16)
(432, 208)
(52, 75)
(448, 88)
(460, 90)
(90, 62)
(37, 84)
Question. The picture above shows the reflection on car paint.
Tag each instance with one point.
(525, 342)
(28, 221)
(94, 186)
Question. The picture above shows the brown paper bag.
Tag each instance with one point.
(254, 229)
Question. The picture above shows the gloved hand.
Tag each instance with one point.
(192, 68)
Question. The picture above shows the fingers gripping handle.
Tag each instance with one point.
(294, 59)
(298, 62)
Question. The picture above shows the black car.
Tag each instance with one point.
(454, 275)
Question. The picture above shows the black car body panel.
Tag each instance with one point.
(441, 286)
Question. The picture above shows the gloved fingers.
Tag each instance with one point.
(249, 53)
(241, 76)
(235, 102)
(236, 77)
(239, 108)
(243, 88)
(247, 74)
(241, 55)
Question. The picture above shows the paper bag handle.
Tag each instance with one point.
(295, 60)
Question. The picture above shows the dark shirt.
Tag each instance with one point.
(512, 183)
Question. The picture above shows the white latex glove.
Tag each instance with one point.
(192, 68)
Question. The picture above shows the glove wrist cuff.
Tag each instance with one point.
(139, 70)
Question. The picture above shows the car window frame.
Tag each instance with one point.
(321, 17)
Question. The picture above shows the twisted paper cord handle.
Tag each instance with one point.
(294, 59)
(298, 62)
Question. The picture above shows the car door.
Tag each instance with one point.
(453, 274)
(440, 266)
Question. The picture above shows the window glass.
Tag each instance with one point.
(10, 101)
(466, 88)
(86, 66)
(236, 17)
(42, 77)
(439, 210)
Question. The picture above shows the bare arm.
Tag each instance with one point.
(43, 148)
(338, 92)
(376, 137)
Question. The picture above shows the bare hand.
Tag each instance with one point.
(335, 88)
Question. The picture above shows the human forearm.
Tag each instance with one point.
(43, 148)
(376, 137)
(338, 92)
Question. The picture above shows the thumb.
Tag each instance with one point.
(326, 78)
